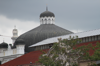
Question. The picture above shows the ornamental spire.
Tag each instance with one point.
(15, 26)
(3, 40)
(46, 8)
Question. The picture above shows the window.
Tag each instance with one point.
(45, 21)
(40, 47)
(98, 37)
(49, 21)
(42, 20)
(43, 46)
(50, 46)
(93, 38)
(83, 40)
(89, 38)
(80, 40)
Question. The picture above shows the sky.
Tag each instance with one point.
(73, 15)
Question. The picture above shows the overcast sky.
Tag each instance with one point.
(73, 15)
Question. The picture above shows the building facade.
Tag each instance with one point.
(40, 38)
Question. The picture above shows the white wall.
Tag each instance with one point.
(20, 49)
(49, 20)
(9, 54)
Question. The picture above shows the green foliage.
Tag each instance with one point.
(96, 55)
(94, 65)
(69, 50)
(75, 64)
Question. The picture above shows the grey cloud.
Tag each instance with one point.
(70, 14)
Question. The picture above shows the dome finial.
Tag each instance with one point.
(3, 40)
(46, 8)
(15, 26)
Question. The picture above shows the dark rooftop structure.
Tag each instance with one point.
(3, 45)
(47, 13)
(42, 32)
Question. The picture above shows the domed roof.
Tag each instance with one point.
(47, 14)
(3, 45)
(40, 33)
(14, 29)
(19, 42)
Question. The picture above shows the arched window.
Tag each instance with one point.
(52, 19)
(49, 21)
(42, 21)
(45, 21)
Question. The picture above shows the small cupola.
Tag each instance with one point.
(3, 45)
(47, 17)
(20, 46)
(19, 42)
(15, 32)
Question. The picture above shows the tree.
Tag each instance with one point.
(68, 51)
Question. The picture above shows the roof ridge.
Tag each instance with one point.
(87, 31)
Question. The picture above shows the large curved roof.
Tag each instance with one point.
(40, 33)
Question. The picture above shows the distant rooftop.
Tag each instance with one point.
(80, 35)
